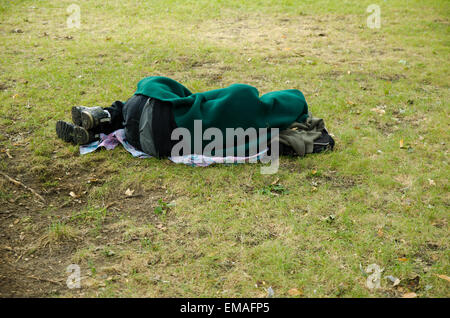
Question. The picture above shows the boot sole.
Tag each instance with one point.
(87, 120)
(76, 115)
(71, 133)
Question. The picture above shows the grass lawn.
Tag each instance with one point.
(311, 230)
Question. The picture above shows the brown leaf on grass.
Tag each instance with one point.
(401, 144)
(295, 292)
(73, 194)
(402, 259)
(379, 111)
(443, 277)
(380, 232)
(409, 295)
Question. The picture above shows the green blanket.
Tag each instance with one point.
(238, 105)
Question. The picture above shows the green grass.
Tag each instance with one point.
(221, 231)
(58, 231)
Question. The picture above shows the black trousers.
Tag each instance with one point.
(128, 115)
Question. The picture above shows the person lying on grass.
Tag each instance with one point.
(160, 105)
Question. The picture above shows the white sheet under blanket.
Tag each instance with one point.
(117, 137)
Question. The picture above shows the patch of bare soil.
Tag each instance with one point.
(328, 37)
(334, 180)
(28, 266)
(32, 263)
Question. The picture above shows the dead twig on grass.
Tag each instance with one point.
(18, 183)
(6, 151)
(65, 204)
(44, 279)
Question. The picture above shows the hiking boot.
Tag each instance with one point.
(74, 134)
(76, 114)
(89, 117)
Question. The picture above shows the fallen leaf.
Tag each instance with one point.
(402, 259)
(129, 192)
(431, 182)
(380, 232)
(276, 181)
(73, 195)
(401, 143)
(295, 292)
(409, 295)
(443, 277)
(379, 111)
